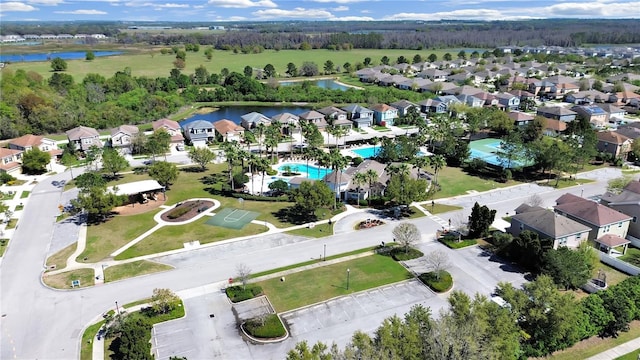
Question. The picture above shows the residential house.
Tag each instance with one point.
(548, 225)
(627, 202)
(438, 87)
(363, 191)
(338, 182)
(122, 137)
(601, 219)
(624, 97)
(557, 112)
(392, 80)
(522, 95)
(520, 119)
(251, 120)
(360, 115)
(10, 161)
(83, 138)
(28, 142)
(631, 130)
(199, 132)
(336, 116)
(228, 130)
(586, 97)
(613, 111)
(439, 104)
(294, 183)
(314, 117)
(170, 126)
(470, 100)
(403, 106)
(489, 100)
(509, 101)
(367, 75)
(414, 84)
(384, 115)
(595, 115)
(434, 75)
(614, 143)
(288, 122)
(553, 127)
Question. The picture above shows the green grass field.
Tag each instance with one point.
(63, 280)
(322, 283)
(59, 259)
(634, 355)
(3, 246)
(86, 346)
(317, 231)
(454, 181)
(147, 61)
(595, 345)
(132, 269)
(440, 208)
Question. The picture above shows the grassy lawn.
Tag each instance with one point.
(322, 283)
(379, 128)
(132, 269)
(19, 207)
(440, 208)
(135, 303)
(7, 195)
(595, 345)
(453, 243)
(415, 213)
(565, 183)
(147, 61)
(614, 276)
(174, 237)
(25, 194)
(63, 280)
(109, 236)
(317, 231)
(632, 256)
(630, 356)
(12, 224)
(59, 259)
(3, 246)
(86, 346)
(454, 182)
(311, 262)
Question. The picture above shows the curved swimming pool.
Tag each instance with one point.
(310, 171)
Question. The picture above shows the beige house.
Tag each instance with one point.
(83, 138)
(122, 137)
(170, 126)
(613, 143)
(601, 219)
(28, 142)
(549, 225)
(10, 160)
(228, 130)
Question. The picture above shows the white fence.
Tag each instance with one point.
(619, 264)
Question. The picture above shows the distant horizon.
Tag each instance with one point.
(219, 11)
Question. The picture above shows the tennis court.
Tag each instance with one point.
(232, 218)
(489, 149)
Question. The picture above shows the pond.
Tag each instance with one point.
(322, 83)
(234, 113)
(67, 55)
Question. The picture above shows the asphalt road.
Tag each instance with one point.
(41, 323)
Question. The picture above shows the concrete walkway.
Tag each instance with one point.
(618, 351)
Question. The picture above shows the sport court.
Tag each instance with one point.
(488, 150)
(232, 218)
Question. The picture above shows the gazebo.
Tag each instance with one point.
(145, 189)
(608, 242)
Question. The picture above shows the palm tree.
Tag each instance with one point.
(272, 137)
(438, 162)
(262, 166)
(375, 141)
(323, 160)
(260, 130)
(338, 162)
(360, 179)
(231, 150)
(371, 176)
(420, 163)
(253, 163)
(291, 127)
(248, 137)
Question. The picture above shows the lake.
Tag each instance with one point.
(68, 55)
(323, 83)
(234, 113)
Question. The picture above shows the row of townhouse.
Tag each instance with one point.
(11, 156)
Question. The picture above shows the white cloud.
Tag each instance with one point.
(590, 9)
(82, 12)
(365, 11)
(15, 6)
(475, 14)
(242, 3)
(171, 6)
(353, 18)
(339, 1)
(296, 13)
(46, 2)
(341, 8)
(231, 18)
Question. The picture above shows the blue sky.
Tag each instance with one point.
(336, 10)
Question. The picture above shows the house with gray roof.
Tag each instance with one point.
(601, 219)
(122, 137)
(557, 112)
(549, 225)
(199, 132)
(363, 191)
(83, 138)
(314, 117)
(360, 115)
(251, 120)
(627, 202)
(403, 106)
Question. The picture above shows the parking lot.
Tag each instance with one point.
(199, 336)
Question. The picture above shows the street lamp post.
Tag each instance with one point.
(117, 308)
(348, 272)
(325, 253)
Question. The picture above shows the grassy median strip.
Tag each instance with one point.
(318, 231)
(326, 282)
(3, 246)
(63, 280)
(86, 347)
(59, 259)
(440, 208)
(133, 269)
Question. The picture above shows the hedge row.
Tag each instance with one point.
(180, 210)
(260, 198)
(445, 283)
(238, 293)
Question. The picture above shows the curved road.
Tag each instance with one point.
(41, 323)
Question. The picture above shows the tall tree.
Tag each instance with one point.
(480, 220)
(406, 234)
(202, 156)
(312, 195)
(35, 161)
(58, 64)
(165, 173)
(113, 162)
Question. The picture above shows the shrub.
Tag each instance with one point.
(180, 210)
(430, 279)
(266, 327)
(357, 161)
(260, 198)
(6, 178)
(240, 178)
(238, 293)
(398, 254)
(272, 172)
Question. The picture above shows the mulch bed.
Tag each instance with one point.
(195, 208)
(137, 208)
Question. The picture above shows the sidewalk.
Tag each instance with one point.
(618, 351)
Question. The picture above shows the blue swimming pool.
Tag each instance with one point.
(311, 172)
(367, 152)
